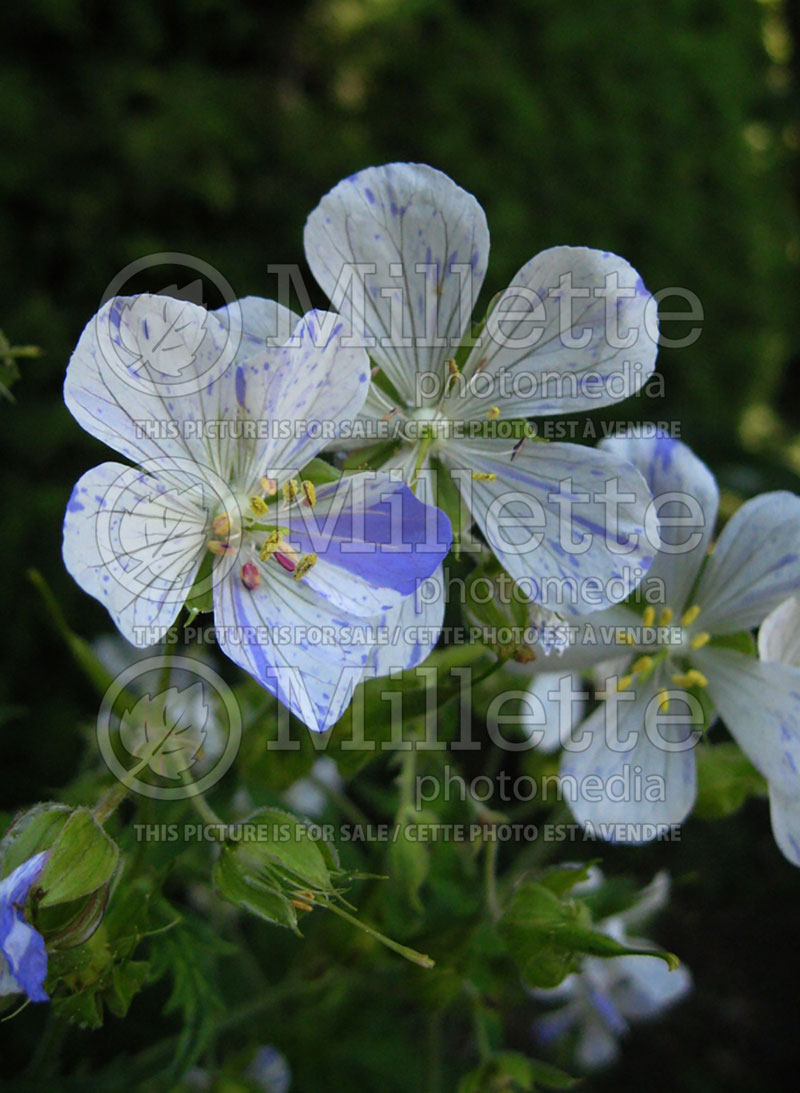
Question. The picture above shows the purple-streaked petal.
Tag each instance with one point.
(416, 245)
(554, 703)
(21, 947)
(260, 323)
(637, 771)
(540, 355)
(550, 516)
(754, 566)
(412, 629)
(760, 704)
(685, 498)
(135, 545)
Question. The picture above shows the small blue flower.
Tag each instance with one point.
(23, 958)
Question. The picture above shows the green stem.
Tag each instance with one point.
(420, 959)
(490, 878)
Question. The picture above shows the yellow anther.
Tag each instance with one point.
(697, 678)
(701, 639)
(493, 413)
(290, 491)
(624, 638)
(665, 618)
(682, 679)
(270, 545)
(268, 485)
(222, 526)
(643, 664)
(624, 682)
(689, 615)
(218, 547)
(258, 505)
(663, 700)
(649, 615)
(309, 493)
(306, 563)
(452, 367)
(484, 476)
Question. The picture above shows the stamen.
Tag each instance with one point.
(649, 615)
(259, 506)
(268, 485)
(251, 578)
(663, 699)
(484, 476)
(304, 566)
(392, 413)
(682, 679)
(222, 526)
(688, 617)
(493, 413)
(643, 664)
(624, 682)
(701, 639)
(290, 491)
(270, 545)
(286, 557)
(452, 367)
(624, 638)
(697, 678)
(218, 547)
(665, 618)
(309, 493)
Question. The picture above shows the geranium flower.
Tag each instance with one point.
(598, 1003)
(23, 957)
(682, 648)
(401, 250)
(222, 430)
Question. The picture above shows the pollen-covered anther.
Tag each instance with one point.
(268, 485)
(689, 615)
(251, 578)
(624, 682)
(286, 556)
(290, 491)
(221, 546)
(493, 413)
(484, 476)
(309, 493)
(701, 639)
(269, 546)
(259, 506)
(643, 664)
(304, 566)
(648, 615)
(452, 367)
(665, 618)
(663, 699)
(222, 526)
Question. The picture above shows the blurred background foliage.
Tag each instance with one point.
(667, 132)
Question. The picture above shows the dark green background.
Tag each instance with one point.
(666, 132)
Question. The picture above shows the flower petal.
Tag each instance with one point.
(423, 243)
(147, 374)
(578, 561)
(296, 644)
(542, 352)
(300, 393)
(135, 545)
(647, 778)
(547, 717)
(755, 564)
(779, 636)
(686, 500)
(412, 629)
(21, 947)
(262, 323)
(785, 816)
(760, 704)
(369, 529)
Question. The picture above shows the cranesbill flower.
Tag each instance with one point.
(23, 957)
(222, 427)
(598, 1003)
(401, 250)
(686, 656)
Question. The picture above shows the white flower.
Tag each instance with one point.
(601, 999)
(779, 643)
(307, 795)
(402, 251)
(301, 576)
(680, 648)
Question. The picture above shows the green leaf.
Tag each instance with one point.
(725, 780)
(82, 859)
(561, 879)
(409, 858)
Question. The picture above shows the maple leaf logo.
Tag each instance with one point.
(165, 340)
(169, 728)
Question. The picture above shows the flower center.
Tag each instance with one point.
(669, 644)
